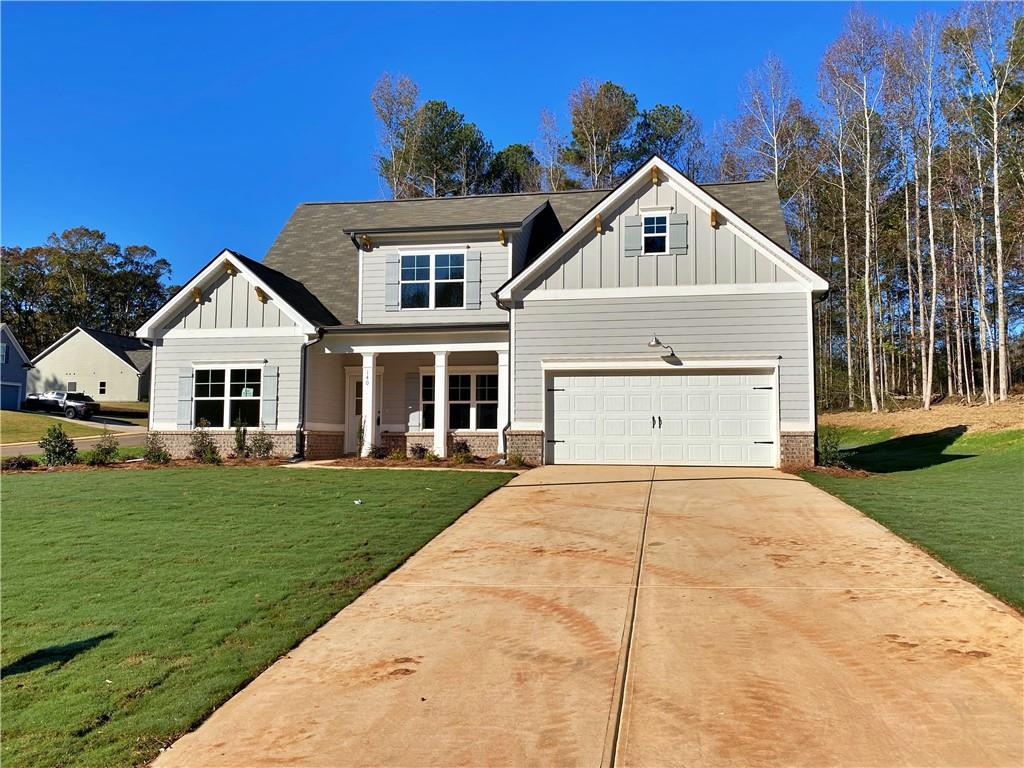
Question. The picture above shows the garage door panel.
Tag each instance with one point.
(706, 418)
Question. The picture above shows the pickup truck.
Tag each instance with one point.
(74, 405)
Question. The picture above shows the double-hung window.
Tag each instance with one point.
(433, 281)
(226, 396)
(472, 401)
(655, 233)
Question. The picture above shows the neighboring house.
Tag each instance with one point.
(14, 367)
(107, 366)
(519, 323)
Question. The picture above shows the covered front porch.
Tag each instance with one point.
(398, 388)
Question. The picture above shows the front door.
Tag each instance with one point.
(354, 408)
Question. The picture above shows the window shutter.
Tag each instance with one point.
(412, 400)
(677, 233)
(632, 237)
(473, 280)
(184, 420)
(270, 396)
(392, 271)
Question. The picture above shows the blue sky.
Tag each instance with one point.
(193, 127)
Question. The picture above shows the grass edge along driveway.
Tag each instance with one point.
(958, 495)
(26, 427)
(136, 602)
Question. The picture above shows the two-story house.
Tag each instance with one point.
(657, 322)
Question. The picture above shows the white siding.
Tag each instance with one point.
(751, 326)
(175, 354)
(714, 256)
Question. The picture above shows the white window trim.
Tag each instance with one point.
(432, 282)
(226, 399)
(650, 212)
(473, 372)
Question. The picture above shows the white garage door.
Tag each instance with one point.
(709, 418)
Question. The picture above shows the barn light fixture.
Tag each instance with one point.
(656, 343)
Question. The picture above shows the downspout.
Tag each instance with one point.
(300, 443)
(508, 424)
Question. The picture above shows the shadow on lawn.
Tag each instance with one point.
(54, 654)
(902, 454)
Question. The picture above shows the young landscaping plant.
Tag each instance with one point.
(262, 445)
(418, 452)
(829, 452)
(397, 454)
(58, 448)
(18, 462)
(241, 440)
(106, 452)
(203, 448)
(156, 451)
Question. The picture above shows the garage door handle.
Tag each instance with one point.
(659, 422)
(764, 442)
(764, 387)
(652, 422)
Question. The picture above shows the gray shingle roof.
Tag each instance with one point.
(315, 247)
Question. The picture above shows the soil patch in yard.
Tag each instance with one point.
(976, 417)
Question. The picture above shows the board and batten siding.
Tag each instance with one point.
(494, 270)
(230, 302)
(750, 326)
(177, 354)
(712, 256)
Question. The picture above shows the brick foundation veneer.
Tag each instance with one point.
(796, 450)
(529, 445)
(480, 443)
(324, 445)
(179, 443)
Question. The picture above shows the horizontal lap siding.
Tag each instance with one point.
(754, 326)
(493, 272)
(176, 353)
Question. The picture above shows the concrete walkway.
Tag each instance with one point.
(642, 617)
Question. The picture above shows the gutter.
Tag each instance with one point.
(300, 443)
(508, 386)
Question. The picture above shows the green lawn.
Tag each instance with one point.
(21, 427)
(959, 496)
(136, 601)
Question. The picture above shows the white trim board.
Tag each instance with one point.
(226, 333)
(704, 201)
(718, 289)
(151, 328)
(656, 364)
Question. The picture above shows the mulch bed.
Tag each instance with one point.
(841, 472)
(137, 464)
(475, 463)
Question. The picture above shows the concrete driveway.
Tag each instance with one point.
(645, 617)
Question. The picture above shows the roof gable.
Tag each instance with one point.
(129, 350)
(6, 330)
(705, 202)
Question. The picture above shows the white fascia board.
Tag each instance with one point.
(648, 364)
(14, 341)
(56, 344)
(224, 333)
(183, 297)
(561, 294)
(703, 200)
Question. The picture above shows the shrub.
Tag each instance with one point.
(377, 452)
(431, 456)
(262, 445)
(18, 462)
(829, 452)
(460, 457)
(203, 449)
(461, 446)
(241, 439)
(418, 452)
(58, 448)
(107, 451)
(397, 454)
(156, 450)
(515, 459)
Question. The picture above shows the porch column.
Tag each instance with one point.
(371, 430)
(503, 401)
(441, 404)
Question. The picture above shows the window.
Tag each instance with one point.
(427, 398)
(103, 387)
(416, 281)
(656, 233)
(224, 396)
(3, 354)
(431, 281)
(72, 386)
(472, 401)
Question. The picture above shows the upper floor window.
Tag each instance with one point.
(433, 281)
(3, 354)
(655, 233)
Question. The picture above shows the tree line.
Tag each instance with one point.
(902, 184)
(79, 278)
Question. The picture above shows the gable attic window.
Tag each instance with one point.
(655, 233)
